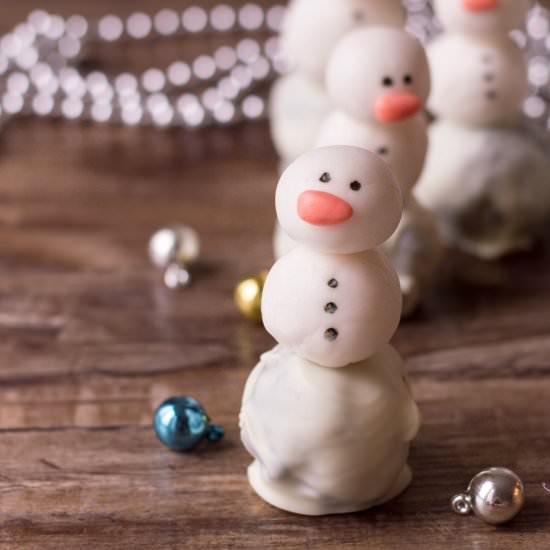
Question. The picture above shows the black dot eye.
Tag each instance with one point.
(408, 79)
(325, 178)
(383, 150)
(355, 186)
(387, 81)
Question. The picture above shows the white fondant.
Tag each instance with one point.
(498, 20)
(476, 82)
(364, 58)
(376, 206)
(328, 441)
(368, 299)
(401, 145)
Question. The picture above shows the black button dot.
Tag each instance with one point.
(325, 178)
(331, 334)
(383, 150)
(488, 77)
(408, 79)
(333, 283)
(491, 95)
(331, 307)
(355, 186)
(387, 81)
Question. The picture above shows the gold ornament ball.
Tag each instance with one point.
(248, 296)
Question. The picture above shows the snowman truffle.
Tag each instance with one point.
(487, 170)
(335, 299)
(477, 83)
(311, 30)
(378, 99)
(331, 440)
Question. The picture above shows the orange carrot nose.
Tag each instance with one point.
(319, 208)
(395, 106)
(480, 5)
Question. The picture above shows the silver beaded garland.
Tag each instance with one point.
(38, 72)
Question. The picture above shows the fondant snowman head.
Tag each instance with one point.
(481, 17)
(313, 27)
(339, 200)
(378, 75)
(476, 82)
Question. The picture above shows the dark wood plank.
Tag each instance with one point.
(91, 343)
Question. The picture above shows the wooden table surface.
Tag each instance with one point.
(91, 343)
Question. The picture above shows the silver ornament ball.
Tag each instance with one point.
(495, 496)
(178, 244)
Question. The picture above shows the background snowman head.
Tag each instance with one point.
(477, 82)
(378, 75)
(313, 27)
(481, 17)
(339, 200)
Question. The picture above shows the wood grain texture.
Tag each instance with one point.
(91, 343)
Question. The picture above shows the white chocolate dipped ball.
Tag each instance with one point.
(402, 146)
(476, 82)
(338, 200)
(332, 309)
(338, 442)
(297, 106)
(313, 27)
(483, 18)
(378, 75)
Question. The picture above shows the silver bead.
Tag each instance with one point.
(176, 277)
(175, 249)
(495, 496)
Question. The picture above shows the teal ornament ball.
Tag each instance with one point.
(181, 423)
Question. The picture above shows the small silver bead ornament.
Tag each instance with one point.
(496, 496)
(175, 249)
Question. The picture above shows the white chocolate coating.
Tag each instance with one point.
(328, 441)
(313, 27)
(483, 18)
(297, 106)
(370, 65)
(297, 301)
(402, 145)
(490, 187)
(476, 82)
(376, 206)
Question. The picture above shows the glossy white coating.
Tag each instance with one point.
(477, 82)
